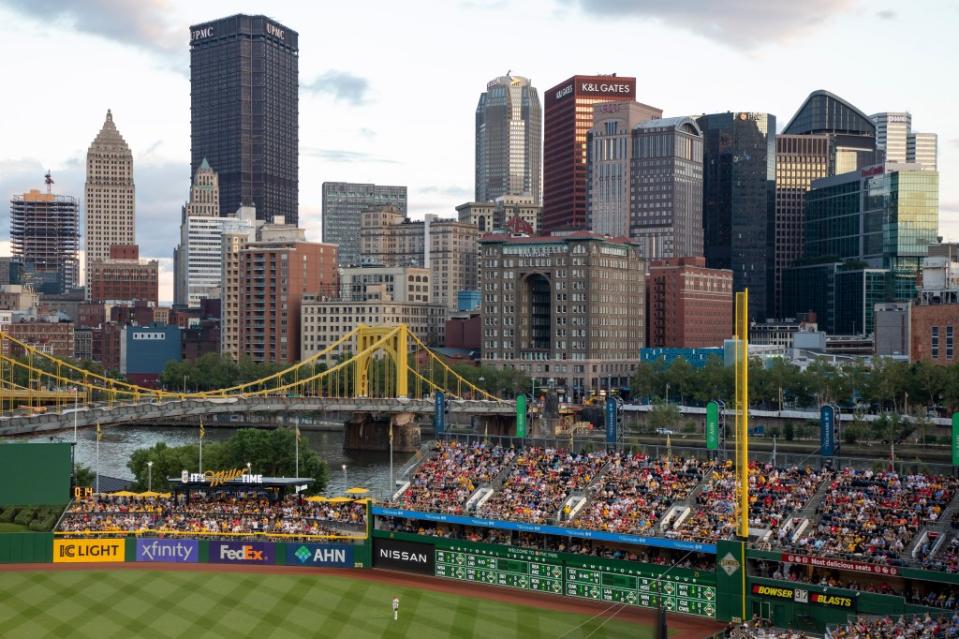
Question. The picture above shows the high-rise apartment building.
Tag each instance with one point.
(244, 117)
(109, 196)
(892, 134)
(827, 136)
(739, 197)
(509, 149)
(44, 238)
(568, 119)
(343, 206)
(566, 309)
(446, 247)
(923, 149)
(275, 272)
(666, 207)
(232, 242)
(688, 305)
(609, 154)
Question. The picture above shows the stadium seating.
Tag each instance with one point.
(917, 627)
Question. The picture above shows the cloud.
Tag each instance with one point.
(342, 86)
(142, 24)
(954, 141)
(886, 14)
(741, 24)
(343, 155)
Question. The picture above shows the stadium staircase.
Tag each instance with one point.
(937, 533)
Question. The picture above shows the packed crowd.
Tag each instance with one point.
(775, 493)
(874, 515)
(713, 516)
(214, 514)
(917, 627)
(539, 483)
(947, 557)
(444, 482)
(636, 491)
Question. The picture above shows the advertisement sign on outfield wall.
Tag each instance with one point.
(404, 555)
(242, 552)
(76, 551)
(319, 555)
(168, 550)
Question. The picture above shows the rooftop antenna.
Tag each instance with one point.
(48, 179)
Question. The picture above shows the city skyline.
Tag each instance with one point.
(358, 122)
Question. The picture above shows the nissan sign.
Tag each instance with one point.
(404, 555)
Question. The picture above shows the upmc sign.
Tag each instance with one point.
(404, 555)
(237, 552)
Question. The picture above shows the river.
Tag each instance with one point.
(367, 469)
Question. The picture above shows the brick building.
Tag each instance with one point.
(123, 277)
(688, 305)
(933, 332)
(54, 338)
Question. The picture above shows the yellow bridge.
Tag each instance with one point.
(370, 368)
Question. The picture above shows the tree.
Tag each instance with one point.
(663, 415)
(269, 452)
(645, 380)
(84, 476)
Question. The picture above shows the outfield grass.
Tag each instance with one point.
(152, 604)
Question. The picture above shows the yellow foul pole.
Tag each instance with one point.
(742, 411)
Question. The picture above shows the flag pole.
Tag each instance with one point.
(202, 433)
(297, 472)
(99, 435)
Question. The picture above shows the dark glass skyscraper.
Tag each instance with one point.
(739, 198)
(244, 79)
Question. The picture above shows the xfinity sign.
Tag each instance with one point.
(168, 550)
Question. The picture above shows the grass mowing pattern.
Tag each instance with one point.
(157, 604)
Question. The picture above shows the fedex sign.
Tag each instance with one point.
(246, 552)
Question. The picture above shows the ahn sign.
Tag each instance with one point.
(326, 555)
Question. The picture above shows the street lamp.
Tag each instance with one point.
(249, 470)
(150, 476)
(345, 482)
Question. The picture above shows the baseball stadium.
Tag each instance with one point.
(490, 535)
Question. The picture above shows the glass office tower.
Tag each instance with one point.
(244, 112)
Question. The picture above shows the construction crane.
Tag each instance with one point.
(48, 179)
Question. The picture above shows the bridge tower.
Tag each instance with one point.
(397, 346)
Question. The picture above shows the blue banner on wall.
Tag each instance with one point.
(610, 420)
(655, 542)
(827, 431)
(439, 419)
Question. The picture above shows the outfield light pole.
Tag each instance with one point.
(150, 476)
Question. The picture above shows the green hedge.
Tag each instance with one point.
(35, 518)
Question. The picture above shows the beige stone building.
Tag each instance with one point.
(446, 247)
(500, 214)
(109, 196)
(388, 283)
(323, 321)
(566, 309)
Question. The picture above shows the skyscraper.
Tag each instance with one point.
(44, 237)
(826, 136)
(666, 210)
(892, 134)
(609, 156)
(922, 149)
(109, 195)
(739, 196)
(508, 140)
(244, 74)
(343, 207)
(568, 118)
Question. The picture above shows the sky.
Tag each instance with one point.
(388, 90)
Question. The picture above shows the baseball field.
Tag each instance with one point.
(103, 604)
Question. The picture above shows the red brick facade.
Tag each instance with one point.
(123, 278)
(935, 329)
(688, 305)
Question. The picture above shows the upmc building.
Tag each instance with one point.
(569, 117)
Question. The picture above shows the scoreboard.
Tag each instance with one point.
(678, 593)
(643, 585)
(515, 568)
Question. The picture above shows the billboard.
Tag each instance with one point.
(242, 552)
(610, 419)
(439, 418)
(177, 551)
(521, 415)
(79, 551)
(712, 426)
(404, 555)
(319, 555)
